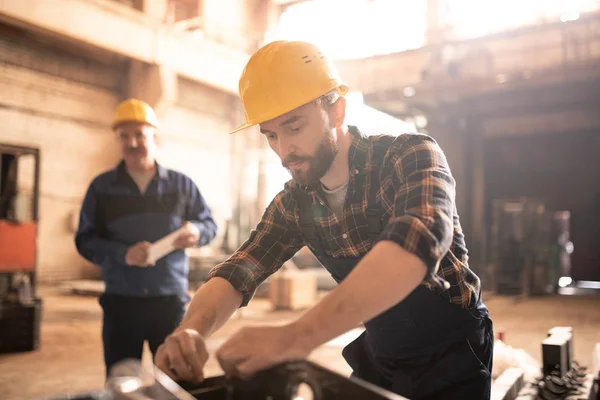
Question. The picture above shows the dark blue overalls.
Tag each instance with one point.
(422, 348)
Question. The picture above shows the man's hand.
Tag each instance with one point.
(188, 238)
(252, 349)
(137, 255)
(182, 356)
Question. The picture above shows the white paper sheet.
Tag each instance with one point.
(164, 246)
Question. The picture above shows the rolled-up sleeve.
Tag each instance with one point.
(270, 245)
(422, 220)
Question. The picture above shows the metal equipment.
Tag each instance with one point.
(297, 380)
(530, 249)
(561, 377)
(20, 310)
(555, 355)
(565, 332)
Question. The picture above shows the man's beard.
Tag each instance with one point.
(318, 165)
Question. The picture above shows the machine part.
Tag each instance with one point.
(596, 361)
(20, 326)
(20, 309)
(129, 380)
(567, 332)
(4, 285)
(296, 380)
(555, 355)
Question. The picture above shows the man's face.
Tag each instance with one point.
(305, 141)
(138, 144)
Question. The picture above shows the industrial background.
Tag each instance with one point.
(510, 90)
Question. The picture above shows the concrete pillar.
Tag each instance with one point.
(247, 161)
(138, 4)
(273, 12)
(154, 84)
(263, 18)
(156, 9)
(434, 39)
(225, 21)
(449, 132)
(477, 232)
(434, 32)
(261, 197)
(460, 139)
(238, 23)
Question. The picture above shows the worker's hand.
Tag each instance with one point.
(182, 356)
(137, 255)
(188, 238)
(252, 349)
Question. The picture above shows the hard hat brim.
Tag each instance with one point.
(133, 121)
(242, 127)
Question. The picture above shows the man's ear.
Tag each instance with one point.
(338, 112)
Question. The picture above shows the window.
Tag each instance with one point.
(350, 29)
(471, 18)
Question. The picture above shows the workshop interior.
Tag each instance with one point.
(508, 89)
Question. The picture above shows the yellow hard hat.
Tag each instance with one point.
(284, 75)
(134, 110)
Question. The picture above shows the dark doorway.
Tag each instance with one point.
(563, 171)
(8, 183)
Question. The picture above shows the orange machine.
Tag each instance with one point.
(20, 309)
(17, 246)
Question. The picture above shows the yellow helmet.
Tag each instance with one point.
(134, 110)
(284, 75)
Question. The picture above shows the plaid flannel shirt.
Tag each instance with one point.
(415, 193)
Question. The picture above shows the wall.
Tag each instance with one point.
(60, 103)
(63, 103)
(132, 33)
(59, 88)
(195, 140)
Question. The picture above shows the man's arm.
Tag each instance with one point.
(229, 286)
(213, 304)
(271, 243)
(183, 354)
(373, 286)
(200, 215)
(88, 240)
(410, 248)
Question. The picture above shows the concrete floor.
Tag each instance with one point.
(70, 357)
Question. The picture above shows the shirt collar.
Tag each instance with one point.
(123, 176)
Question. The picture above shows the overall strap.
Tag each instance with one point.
(307, 221)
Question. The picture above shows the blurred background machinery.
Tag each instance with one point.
(20, 309)
(530, 248)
